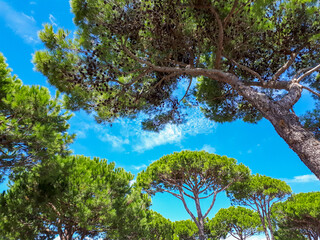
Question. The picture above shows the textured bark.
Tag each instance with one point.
(279, 113)
(285, 122)
(200, 217)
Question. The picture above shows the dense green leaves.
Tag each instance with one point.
(158, 227)
(238, 222)
(186, 230)
(33, 126)
(197, 175)
(260, 193)
(206, 171)
(300, 214)
(70, 197)
(113, 66)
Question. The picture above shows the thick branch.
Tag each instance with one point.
(272, 85)
(220, 37)
(292, 96)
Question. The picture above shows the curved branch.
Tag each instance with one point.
(316, 68)
(254, 73)
(211, 205)
(284, 67)
(190, 82)
(310, 90)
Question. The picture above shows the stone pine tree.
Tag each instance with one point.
(74, 198)
(238, 222)
(250, 60)
(260, 193)
(299, 214)
(196, 175)
(33, 126)
(186, 230)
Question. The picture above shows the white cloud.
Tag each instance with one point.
(52, 20)
(208, 148)
(20, 23)
(303, 179)
(102, 132)
(139, 167)
(32, 3)
(148, 140)
(195, 124)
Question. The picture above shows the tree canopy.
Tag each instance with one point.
(238, 222)
(33, 126)
(197, 175)
(260, 193)
(250, 59)
(300, 213)
(73, 197)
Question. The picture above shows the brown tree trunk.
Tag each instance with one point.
(200, 217)
(285, 122)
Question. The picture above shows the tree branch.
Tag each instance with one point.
(254, 73)
(316, 68)
(292, 96)
(284, 67)
(220, 37)
(190, 82)
(212, 203)
(187, 209)
(228, 17)
(310, 90)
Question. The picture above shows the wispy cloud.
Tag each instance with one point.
(303, 179)
(103, 133)
(21, 24)
(208, 148)
(52, 20)
(139, 167)
(148, 140)
(172, 134)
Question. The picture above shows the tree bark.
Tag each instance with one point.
(285, 122)
(200, 217)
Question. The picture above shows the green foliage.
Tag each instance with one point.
(192, 174)
(239, 222)
(186, 230)
(33, 126)
(159, 228)
(115, 65)
(299, 215)
(73, 196)
(260, 193)
(210, 171)
(259, 187)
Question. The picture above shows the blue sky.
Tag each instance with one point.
(256, 145)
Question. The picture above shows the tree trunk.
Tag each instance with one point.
(285, 122)
(264, 227)
(200, 217)
(270, 227)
